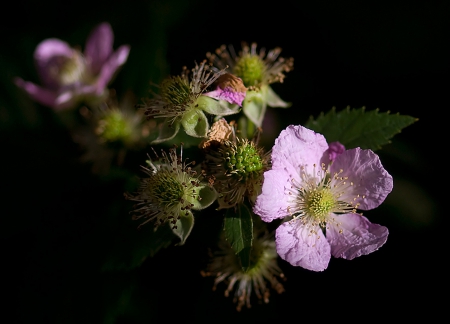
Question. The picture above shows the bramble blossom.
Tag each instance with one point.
(68, 76)
(257, 70)
(318, 199)
(169, 194)
(183, 101)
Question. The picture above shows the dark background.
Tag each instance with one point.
(60, 224)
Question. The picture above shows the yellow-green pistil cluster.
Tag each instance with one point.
(242, 158)
(315, 201)
(176, 90)
(114, 126)
(169, 193)
(236, 167)
(262, 276)
(250, 68)
(70, 69)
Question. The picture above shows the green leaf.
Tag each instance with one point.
(184, 227)
(358, 127)
(238, 227)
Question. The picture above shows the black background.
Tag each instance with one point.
(56, 217)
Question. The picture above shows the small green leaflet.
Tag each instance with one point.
(358, 127)
(238, 227)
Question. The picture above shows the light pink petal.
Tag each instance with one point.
(273, 202)
(41, 95)
(370, 179)
(298, 147)
(111, 66)
(99, 46)
(228, 94)
(355, 236)
(47, 56)
(296, 244)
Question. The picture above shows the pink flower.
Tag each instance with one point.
(69, 76)
(319, 200)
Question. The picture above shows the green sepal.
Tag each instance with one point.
(167, 131)
(195, 123)
(207, 195)
(216, 107)
(273, 100)
(254, 107)
(358, 127)
(238, 227)
(183, 226)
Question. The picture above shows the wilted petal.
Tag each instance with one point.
(229, 88)
(99, 46)
(228, 94)
(370, 179)
(355, 236)
(273, 203)
(302, 245)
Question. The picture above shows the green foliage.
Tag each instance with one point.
(238, 227)
(358, 127)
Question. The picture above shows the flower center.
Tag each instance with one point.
(320, 194)
(68, 70)
(250, 68)
(166, 190)
(114, 127)
(176, 90)
(319, 203)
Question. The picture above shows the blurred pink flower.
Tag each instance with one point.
(68, 76)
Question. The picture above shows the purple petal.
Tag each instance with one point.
(297, 147)
(43, 96)
(111, 66)
(335, 149)
(297, 245)
(99, 46)
(229, 88)
(273, 203)
(370, 179)
(355, 236)
(228, 94)
(47, 56)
